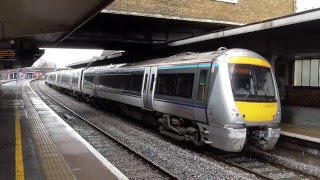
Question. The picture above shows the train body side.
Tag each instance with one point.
(190, 97)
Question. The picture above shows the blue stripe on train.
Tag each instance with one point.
(186, 66)
(190, 105)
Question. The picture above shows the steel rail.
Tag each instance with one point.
(226, 161)
(155, 165)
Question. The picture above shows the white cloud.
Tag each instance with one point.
(63, 57)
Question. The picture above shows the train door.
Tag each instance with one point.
(149, 80)
(70, 80)
(201, 91)
(80, 80)
(144, 92)
(94, 84)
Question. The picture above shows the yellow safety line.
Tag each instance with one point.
(19, 156)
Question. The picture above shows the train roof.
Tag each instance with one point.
(182, 58)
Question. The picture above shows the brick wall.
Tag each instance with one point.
(245, 11)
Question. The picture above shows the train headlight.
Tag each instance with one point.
(235, 113)
(279, 113)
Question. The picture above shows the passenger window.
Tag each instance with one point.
(145, 83)
(184, 85)
(105, 81)
(89, 78)
(88, 81)
(165, 84)
(125, 82)
(136, 83)
(116, 83)
(75, 80)
(109, 81)
(202, 84)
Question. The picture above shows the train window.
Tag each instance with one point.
(125, 82)
(65, 78)
(152, 82)
(59, 77)
(145, 83)
(184, 85)
(106, 81)
(116, 82)
(136, 83)
(202, 84)
(165, 84)
(88, 81)
(251, 83)
(75, 79)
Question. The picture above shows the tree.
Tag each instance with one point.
(44, 66)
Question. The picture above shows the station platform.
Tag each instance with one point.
(301, 122)
(7, 81)
(37, 144)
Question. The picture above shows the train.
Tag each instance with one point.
(225, 98)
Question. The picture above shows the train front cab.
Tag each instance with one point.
(246, 109)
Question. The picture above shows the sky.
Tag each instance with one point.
(63, 57)
(303, 5)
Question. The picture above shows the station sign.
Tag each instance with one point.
(7, 54)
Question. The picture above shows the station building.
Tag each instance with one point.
(23, 73)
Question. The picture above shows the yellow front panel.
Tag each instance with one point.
(257, 112)
(249, 60)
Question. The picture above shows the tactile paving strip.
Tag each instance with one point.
(52, 162)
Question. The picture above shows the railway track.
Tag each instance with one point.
(251, 164)
(130, 163)
(260, 168)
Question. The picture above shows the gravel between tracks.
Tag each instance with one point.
(184, 163)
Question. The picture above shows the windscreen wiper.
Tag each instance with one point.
(265, 93)
(250, 90)
(247, 95)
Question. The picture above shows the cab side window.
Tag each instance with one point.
(202, 84)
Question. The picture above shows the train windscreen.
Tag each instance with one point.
(251, 83)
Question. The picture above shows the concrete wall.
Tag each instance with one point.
(301, 96)
(245, 11)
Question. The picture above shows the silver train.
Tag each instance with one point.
(223, 98)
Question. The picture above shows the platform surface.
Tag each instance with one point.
(18, 158)
(38, 144)
(301, 122)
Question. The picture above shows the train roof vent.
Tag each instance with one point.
(221, 49)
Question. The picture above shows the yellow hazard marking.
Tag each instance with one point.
(257, 112)
(18, 152)
(249, 60)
